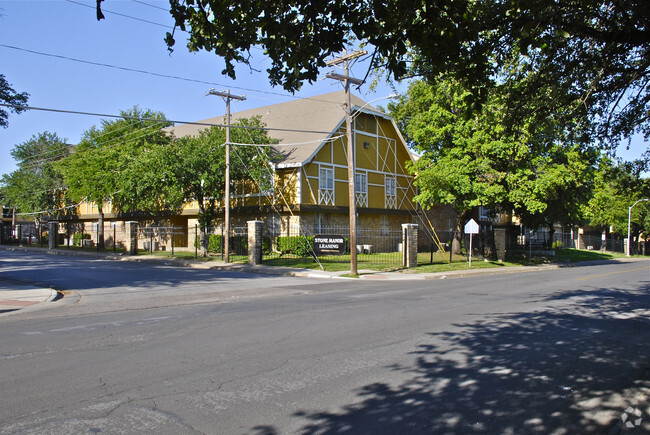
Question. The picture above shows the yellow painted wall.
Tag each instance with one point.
(325, 154)
(340, 151)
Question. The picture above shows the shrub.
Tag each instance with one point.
(78, 237)
(266, 245)
(298, 245)
(557, 245)
(214, 243)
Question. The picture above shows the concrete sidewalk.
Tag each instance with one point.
(15, 296)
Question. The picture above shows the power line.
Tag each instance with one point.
(46, 156)
(207, 124)
(167, 76)
(166, 26)
(150, 5)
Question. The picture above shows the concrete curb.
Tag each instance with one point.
(19, 297)
(311, 273)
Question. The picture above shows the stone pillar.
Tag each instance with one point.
(500, 235)
(131, 237)
(53, 234)
(581, 243)
(255, 242)
(410, 245)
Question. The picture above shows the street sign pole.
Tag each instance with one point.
(471, 236)
(471, 228)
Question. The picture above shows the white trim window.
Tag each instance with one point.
(390, 187)
(326, 185)
(361, 188)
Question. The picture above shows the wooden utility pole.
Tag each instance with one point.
(227, 96)
(346, 79)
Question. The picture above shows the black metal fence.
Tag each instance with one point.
(26, 234)
(376, 248)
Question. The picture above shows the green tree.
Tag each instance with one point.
(36, 187)
(195, 168)
(9, 96)
(470, 156)
(105, 166)
(617, 187)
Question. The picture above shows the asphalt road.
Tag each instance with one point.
(138, 348)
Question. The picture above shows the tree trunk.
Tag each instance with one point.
(204, 240)
(458, 234)
(551, 233)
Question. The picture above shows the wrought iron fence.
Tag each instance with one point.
(215, 242)
(434, 246)
(376, 248)
(26, 234)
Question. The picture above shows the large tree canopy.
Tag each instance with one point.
(103, 167)
(36, 187)
(617, 187)
(594, 54)
(195, 167)
(470, 157)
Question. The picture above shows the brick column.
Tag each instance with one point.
(131, 237)
(255, 242)
(53, 234)
(581, 243)
(410, 245)
(500, 242)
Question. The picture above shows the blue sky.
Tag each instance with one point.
(67, 29)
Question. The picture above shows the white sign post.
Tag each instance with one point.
(471, 228)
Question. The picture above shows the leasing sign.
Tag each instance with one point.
(329, 245)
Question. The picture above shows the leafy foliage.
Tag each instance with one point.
(193, 168)
(196, 165)
(617, 187)
(297, 245)
(106, 165)
(9, 96)
(37, 185)
(470, 156)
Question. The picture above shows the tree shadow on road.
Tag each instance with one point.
(81, 273)
(573, 368)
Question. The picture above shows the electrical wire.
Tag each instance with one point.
(207, 124)
(166, 26)
(150, 5)
(331, 139)
(106, 144)
(141, 71)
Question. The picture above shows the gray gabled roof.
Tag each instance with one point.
(301, 126)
